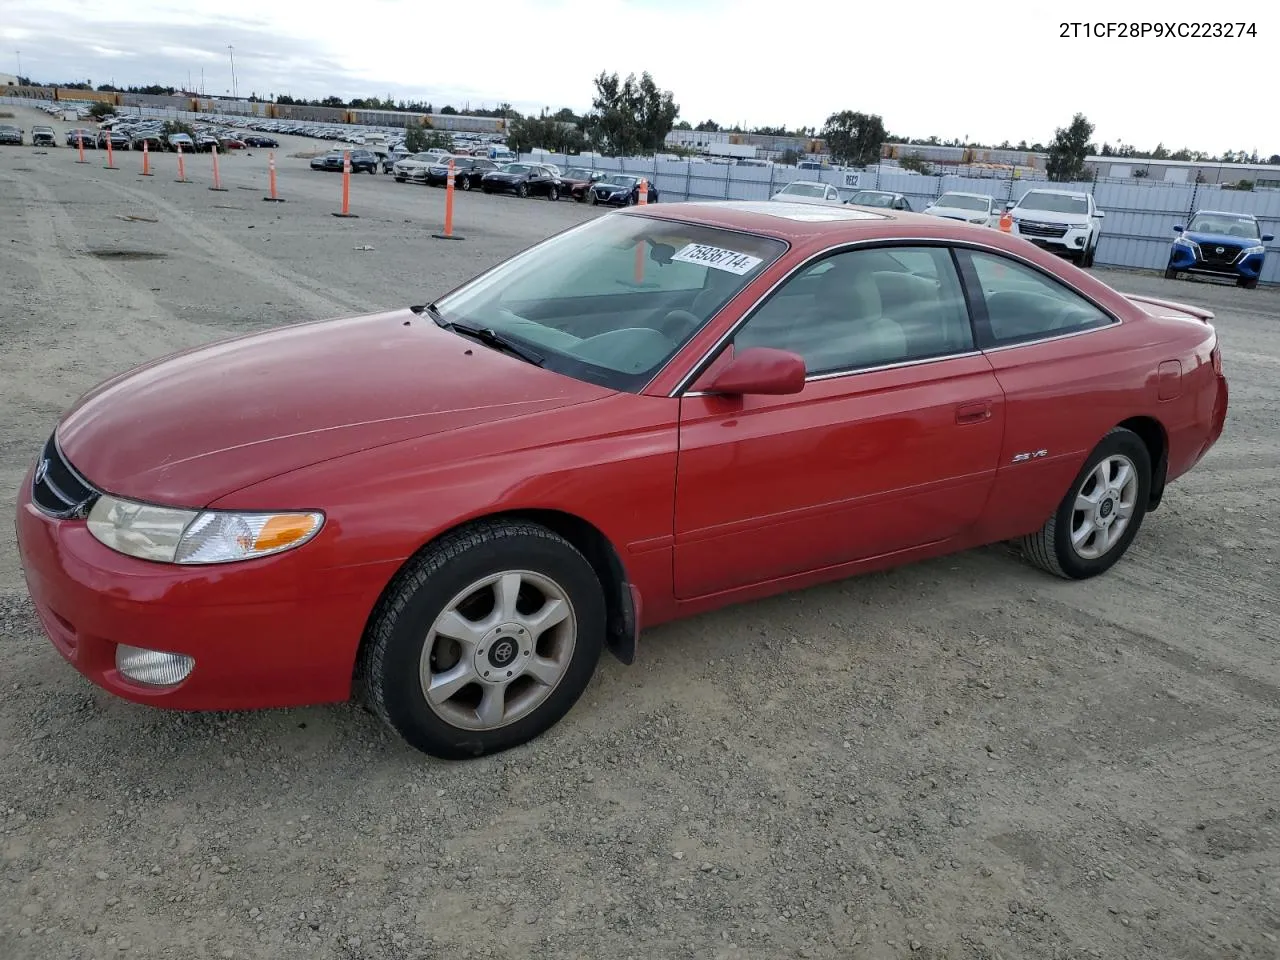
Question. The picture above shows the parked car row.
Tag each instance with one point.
(523, 179)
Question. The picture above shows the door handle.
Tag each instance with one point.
(975, 412)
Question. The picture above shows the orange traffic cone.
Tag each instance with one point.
(1006, 222)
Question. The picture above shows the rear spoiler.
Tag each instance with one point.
(1200, 313)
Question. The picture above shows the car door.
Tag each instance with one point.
(1042, 339)
(892, 444)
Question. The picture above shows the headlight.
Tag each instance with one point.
(1184, 241)
(978, 220)
(170, 535)
(1256, 248)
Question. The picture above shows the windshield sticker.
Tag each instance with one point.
(729, 261)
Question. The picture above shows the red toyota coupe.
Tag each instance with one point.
(449, 510)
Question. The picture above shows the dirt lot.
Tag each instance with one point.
(960, 759)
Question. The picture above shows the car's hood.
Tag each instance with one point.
(1049, 216)
(957, 213)
(188, 429)
(1209, 239)
(501, 175)
(613, 188)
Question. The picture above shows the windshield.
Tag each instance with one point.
(958, 201)
(805, 190)
(871, 198)
(619, 181)
(1225, 225)
(578, 173)
(612, 300)
(1054, 203)
(517, 168)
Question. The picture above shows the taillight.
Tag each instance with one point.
(1216, 357)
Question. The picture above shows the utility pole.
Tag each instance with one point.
(233, 69)
(19, 55)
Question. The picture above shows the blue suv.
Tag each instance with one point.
(1227, 245)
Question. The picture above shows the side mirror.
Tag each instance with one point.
(1178, 228)
(761, 370)
(1009, 205)
(1099, 214)
(1268, 237)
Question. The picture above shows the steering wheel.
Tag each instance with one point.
(678, 324)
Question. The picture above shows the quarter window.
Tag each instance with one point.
(1024, 304)
(866, 308)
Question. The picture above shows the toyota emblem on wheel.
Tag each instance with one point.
(503, 652)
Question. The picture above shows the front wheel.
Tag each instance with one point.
(464, 183)
(1247, 284)
(553, 194)
(1088, 256)
(1101, 513)
(485, 640)
(1170, 273)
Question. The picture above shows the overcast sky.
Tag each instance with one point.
(984, 70)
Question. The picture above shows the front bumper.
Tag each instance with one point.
(1192, 260)
(1060, 238)
(274, 632)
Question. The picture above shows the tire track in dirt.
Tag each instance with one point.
(318, 300)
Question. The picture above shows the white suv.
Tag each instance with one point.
(1064, 221)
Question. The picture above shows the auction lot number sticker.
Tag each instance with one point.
(718, 258)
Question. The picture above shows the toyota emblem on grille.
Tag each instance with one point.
(41, 469)
(1219, 251)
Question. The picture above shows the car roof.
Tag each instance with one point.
(1226, 213)
(1061, 193)
(803, 222)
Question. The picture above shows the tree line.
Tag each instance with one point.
(633, 115)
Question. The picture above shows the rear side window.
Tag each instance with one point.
(1024, 305)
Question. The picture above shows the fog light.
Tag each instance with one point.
(153, 667)
(1079, 241)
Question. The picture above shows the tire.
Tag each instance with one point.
(522, 191)
(1052, 549)
(404, 639)
(1247, 284)
(593, 199)
(1088, 256)
(553, 194)
(1170, 273)
(400, 179)
(464, 183)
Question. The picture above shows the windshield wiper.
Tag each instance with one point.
(488, 336)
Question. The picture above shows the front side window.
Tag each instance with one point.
(1024, 304)
(866, 308)
(612, 300)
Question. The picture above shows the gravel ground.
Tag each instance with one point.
(962, 758)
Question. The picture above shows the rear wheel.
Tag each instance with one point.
(522, 191)
(553, 193)
(485, 640)
(1101, 513)
(464, 183)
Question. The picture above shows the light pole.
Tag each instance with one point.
(232, 51)
(18, 53)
